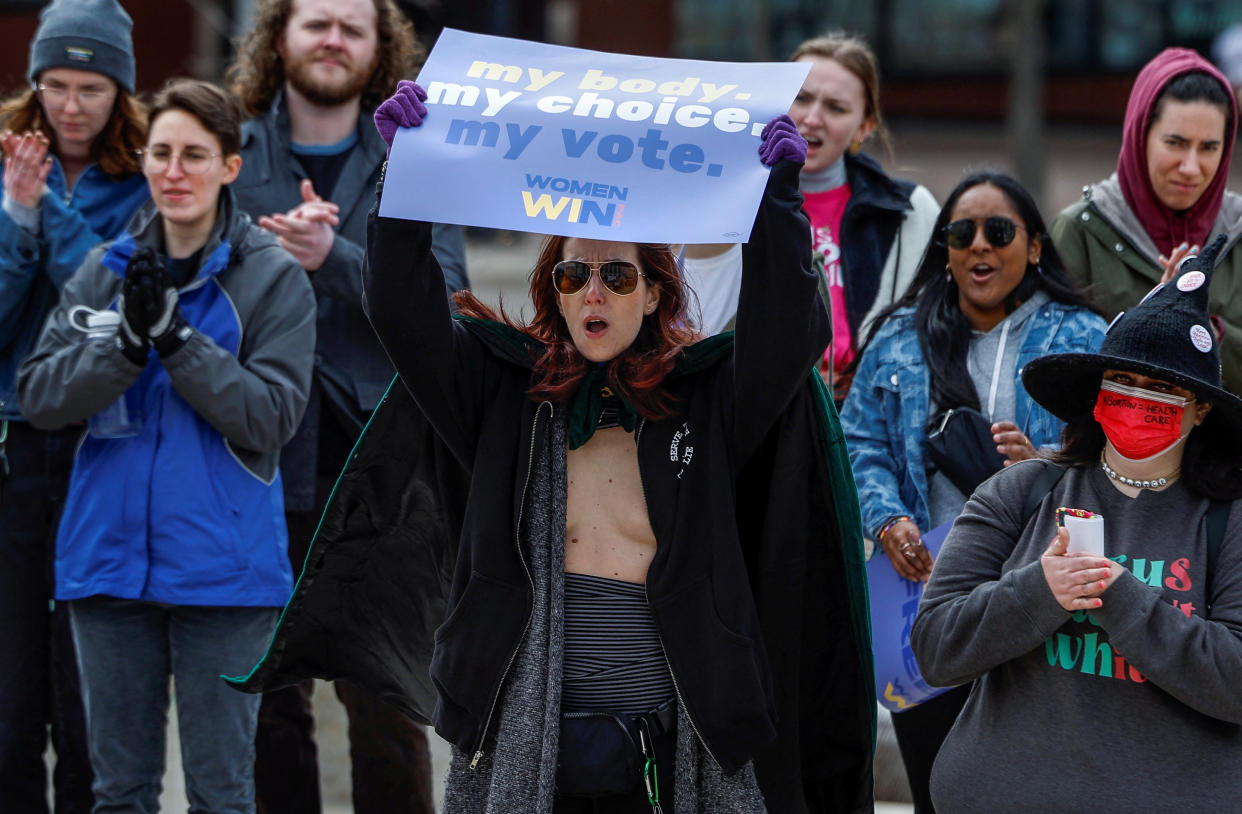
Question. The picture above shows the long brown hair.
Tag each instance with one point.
(116, 147)
(638, 373)
(258, 72)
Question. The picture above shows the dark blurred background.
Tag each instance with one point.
(1012, 73)
(940, 58)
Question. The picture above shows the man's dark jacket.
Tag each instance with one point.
(785, 679)
(351, 368)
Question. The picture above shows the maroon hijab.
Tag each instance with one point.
(1166, 227)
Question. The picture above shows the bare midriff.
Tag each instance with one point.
(607, 533)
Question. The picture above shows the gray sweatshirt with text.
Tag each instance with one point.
(1136, 706)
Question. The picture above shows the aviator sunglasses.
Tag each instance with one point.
(997, 230)
(618, 276)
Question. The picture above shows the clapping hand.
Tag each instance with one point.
(308, 230)
(137, 298)
(150, 309)
(168, 329)
(26, 166)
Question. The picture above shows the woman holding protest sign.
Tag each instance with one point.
(661, 639)
(585, 529)
(990, 295)
(70, 181)
(1105, 665)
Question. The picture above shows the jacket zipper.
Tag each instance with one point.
(517, 539)
(638, 437)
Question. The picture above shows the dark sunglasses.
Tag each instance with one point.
(998, 231)
(618, 276)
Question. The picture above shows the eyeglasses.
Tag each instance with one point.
(997, 230)
(618, 276)
(193, 160)
(56, 97)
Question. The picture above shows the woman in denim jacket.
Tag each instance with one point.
(990, 295)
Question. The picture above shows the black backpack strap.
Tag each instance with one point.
(1040, 487)
(1217, 519)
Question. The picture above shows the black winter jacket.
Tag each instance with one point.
(869, 231)
(697, 583)
(739, 594)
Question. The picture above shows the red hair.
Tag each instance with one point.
(638, 373)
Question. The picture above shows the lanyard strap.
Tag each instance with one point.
(651, 778)
(996, 372)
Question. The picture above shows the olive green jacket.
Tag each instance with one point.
(1106, 251)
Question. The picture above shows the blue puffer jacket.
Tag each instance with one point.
(33, 268)
(886, 414)
(188, 511)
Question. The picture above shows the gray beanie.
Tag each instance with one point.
(90, 35)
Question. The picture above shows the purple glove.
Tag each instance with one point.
(404, 108)
(781, 140)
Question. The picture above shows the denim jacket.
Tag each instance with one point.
(886, 415)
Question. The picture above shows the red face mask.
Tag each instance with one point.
(1139, 423)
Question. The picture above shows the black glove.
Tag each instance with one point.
(135, 322)
(149, 309)
(167, 329)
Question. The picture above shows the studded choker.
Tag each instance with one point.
(1153, 483)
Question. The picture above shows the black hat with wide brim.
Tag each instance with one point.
(1166, 336)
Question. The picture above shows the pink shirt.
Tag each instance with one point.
(825, 210)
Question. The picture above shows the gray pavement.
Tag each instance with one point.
(935, 155)
(334, 761)
(333, 744)
(334, 781)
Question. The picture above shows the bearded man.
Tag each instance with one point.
(310, 75)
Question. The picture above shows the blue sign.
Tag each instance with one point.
(542, 138)
(899, 683)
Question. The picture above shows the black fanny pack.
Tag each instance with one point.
(961, 447)
(606, 755)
